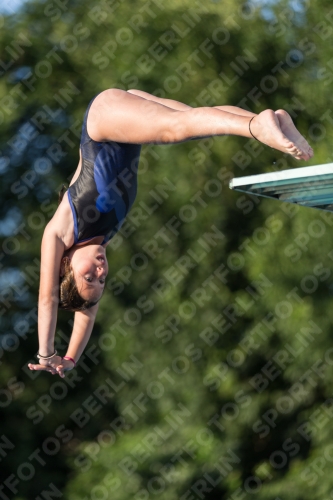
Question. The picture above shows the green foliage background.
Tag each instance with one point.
(231, 434)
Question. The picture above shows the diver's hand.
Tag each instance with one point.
(56, 365)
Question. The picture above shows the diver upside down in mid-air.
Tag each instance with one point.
(103, 189)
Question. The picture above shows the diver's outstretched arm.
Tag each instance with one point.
(52, 250)
(83, 326)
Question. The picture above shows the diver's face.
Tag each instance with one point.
(90, 269)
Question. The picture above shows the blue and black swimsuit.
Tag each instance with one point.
(106, 187)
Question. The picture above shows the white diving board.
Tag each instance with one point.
(306, 186)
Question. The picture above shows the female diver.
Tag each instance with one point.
(103, 190)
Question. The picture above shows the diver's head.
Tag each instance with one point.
(82, 277)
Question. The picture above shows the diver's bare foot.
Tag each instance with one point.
(289, 130)
(276, 129)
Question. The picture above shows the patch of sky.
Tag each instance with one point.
(42, 141)
(4, 164)
(19, 74)
(21, 139)
(9, 223)
(21, 326)
(10, 277)
(268, 8)
(16, 160)
(8, 7)
(47, 193)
